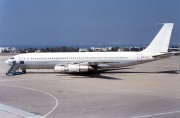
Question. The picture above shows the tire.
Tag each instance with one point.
(23, 71)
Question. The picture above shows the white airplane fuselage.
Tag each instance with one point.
(104, 59)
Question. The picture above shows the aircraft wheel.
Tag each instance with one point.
(23, 71)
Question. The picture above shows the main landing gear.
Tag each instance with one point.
(23, 71)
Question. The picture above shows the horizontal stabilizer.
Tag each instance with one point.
(162, 56)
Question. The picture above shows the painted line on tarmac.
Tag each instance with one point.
(37, 91)
(165, 113)
(17, 112)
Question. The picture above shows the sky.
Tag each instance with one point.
(86, 22)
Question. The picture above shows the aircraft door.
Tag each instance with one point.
(139, 57)
(21, 59)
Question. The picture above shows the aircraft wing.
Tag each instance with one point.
(79, 66)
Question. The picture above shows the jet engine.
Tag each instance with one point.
(73, 68)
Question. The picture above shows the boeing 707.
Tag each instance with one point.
(90, 61)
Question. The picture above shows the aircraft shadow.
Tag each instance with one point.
(165, 72)
(109, 71)
(98, 73)
(93, 75)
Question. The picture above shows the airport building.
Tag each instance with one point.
(96, 49)
(83, 50)
(8, 49)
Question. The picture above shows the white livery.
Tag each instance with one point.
(89, 61)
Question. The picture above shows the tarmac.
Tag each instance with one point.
(150, 90)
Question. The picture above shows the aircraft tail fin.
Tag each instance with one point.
(161, 41)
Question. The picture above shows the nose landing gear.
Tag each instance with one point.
(23, 71)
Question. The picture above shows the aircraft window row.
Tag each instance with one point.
(78, 58)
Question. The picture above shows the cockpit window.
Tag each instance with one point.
(12, 58)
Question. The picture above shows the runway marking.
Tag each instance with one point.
(17, 112)
(38, 91)
(157, 114)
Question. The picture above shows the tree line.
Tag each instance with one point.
(50, 49)
(65, 49)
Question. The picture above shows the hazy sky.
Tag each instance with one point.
(74, 22)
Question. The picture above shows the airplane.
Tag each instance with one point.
(90, 61)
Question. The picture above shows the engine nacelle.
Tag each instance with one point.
(73, 68)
